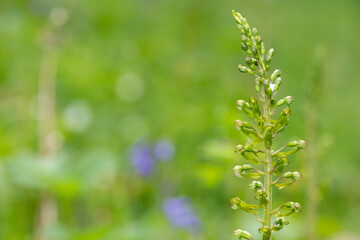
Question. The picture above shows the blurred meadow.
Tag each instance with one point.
(116, 117)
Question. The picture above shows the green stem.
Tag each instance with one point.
(267, 170)
(311, 168)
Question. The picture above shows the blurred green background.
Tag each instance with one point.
(116, 117)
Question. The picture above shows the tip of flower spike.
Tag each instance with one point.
(238, 17)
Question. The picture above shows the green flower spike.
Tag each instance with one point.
(258, 147)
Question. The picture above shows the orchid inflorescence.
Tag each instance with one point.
(257, 148)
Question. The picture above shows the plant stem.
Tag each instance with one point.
(311, 168)
(267, 170)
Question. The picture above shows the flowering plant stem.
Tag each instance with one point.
(267, 170)
(260, 137)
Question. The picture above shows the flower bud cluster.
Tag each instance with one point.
(259, 190)
(258, 62)
(265, 129)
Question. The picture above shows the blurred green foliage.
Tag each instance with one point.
(130, 72)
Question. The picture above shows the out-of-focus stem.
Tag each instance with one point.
(312, 180)
(47, 211)
(312, 192)
(311, 115)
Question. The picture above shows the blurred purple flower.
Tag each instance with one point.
(180, 213)
(141, 159)
(164, 150)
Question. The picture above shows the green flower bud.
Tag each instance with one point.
(259, 190)
(266, 232)
(247, 129)
(265, 81)
(241, 104)
(268, 90)
(240, 27)
(293, 175)
(280, 102)
(244, 69)
(237, 170)
(247, 28)
(277, 84)
(280, 165)
(288, 100)
(239, 148)
(283, 120)
(237, 124)
(254, 50)
(275, 74)
(246, 152)
(299, 144)
(258, 39)
(297, 207)
(242, 124)
(254, 105)
(269, 55)
(279, 223)
(235, 202)
(238, 18)
(251, 62)
(246, 167)
(256, 185)
(261, 73)
(272, 103)
(251, 66)
(294, 207)
(246, 108)
(278, 81)
(255, 31)
(268, 139)
(244, 38)
(257, 85)
(275, 88)
(262, 47)
(240, 171)
(242, 234)
(244, 47)
(255, 61)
